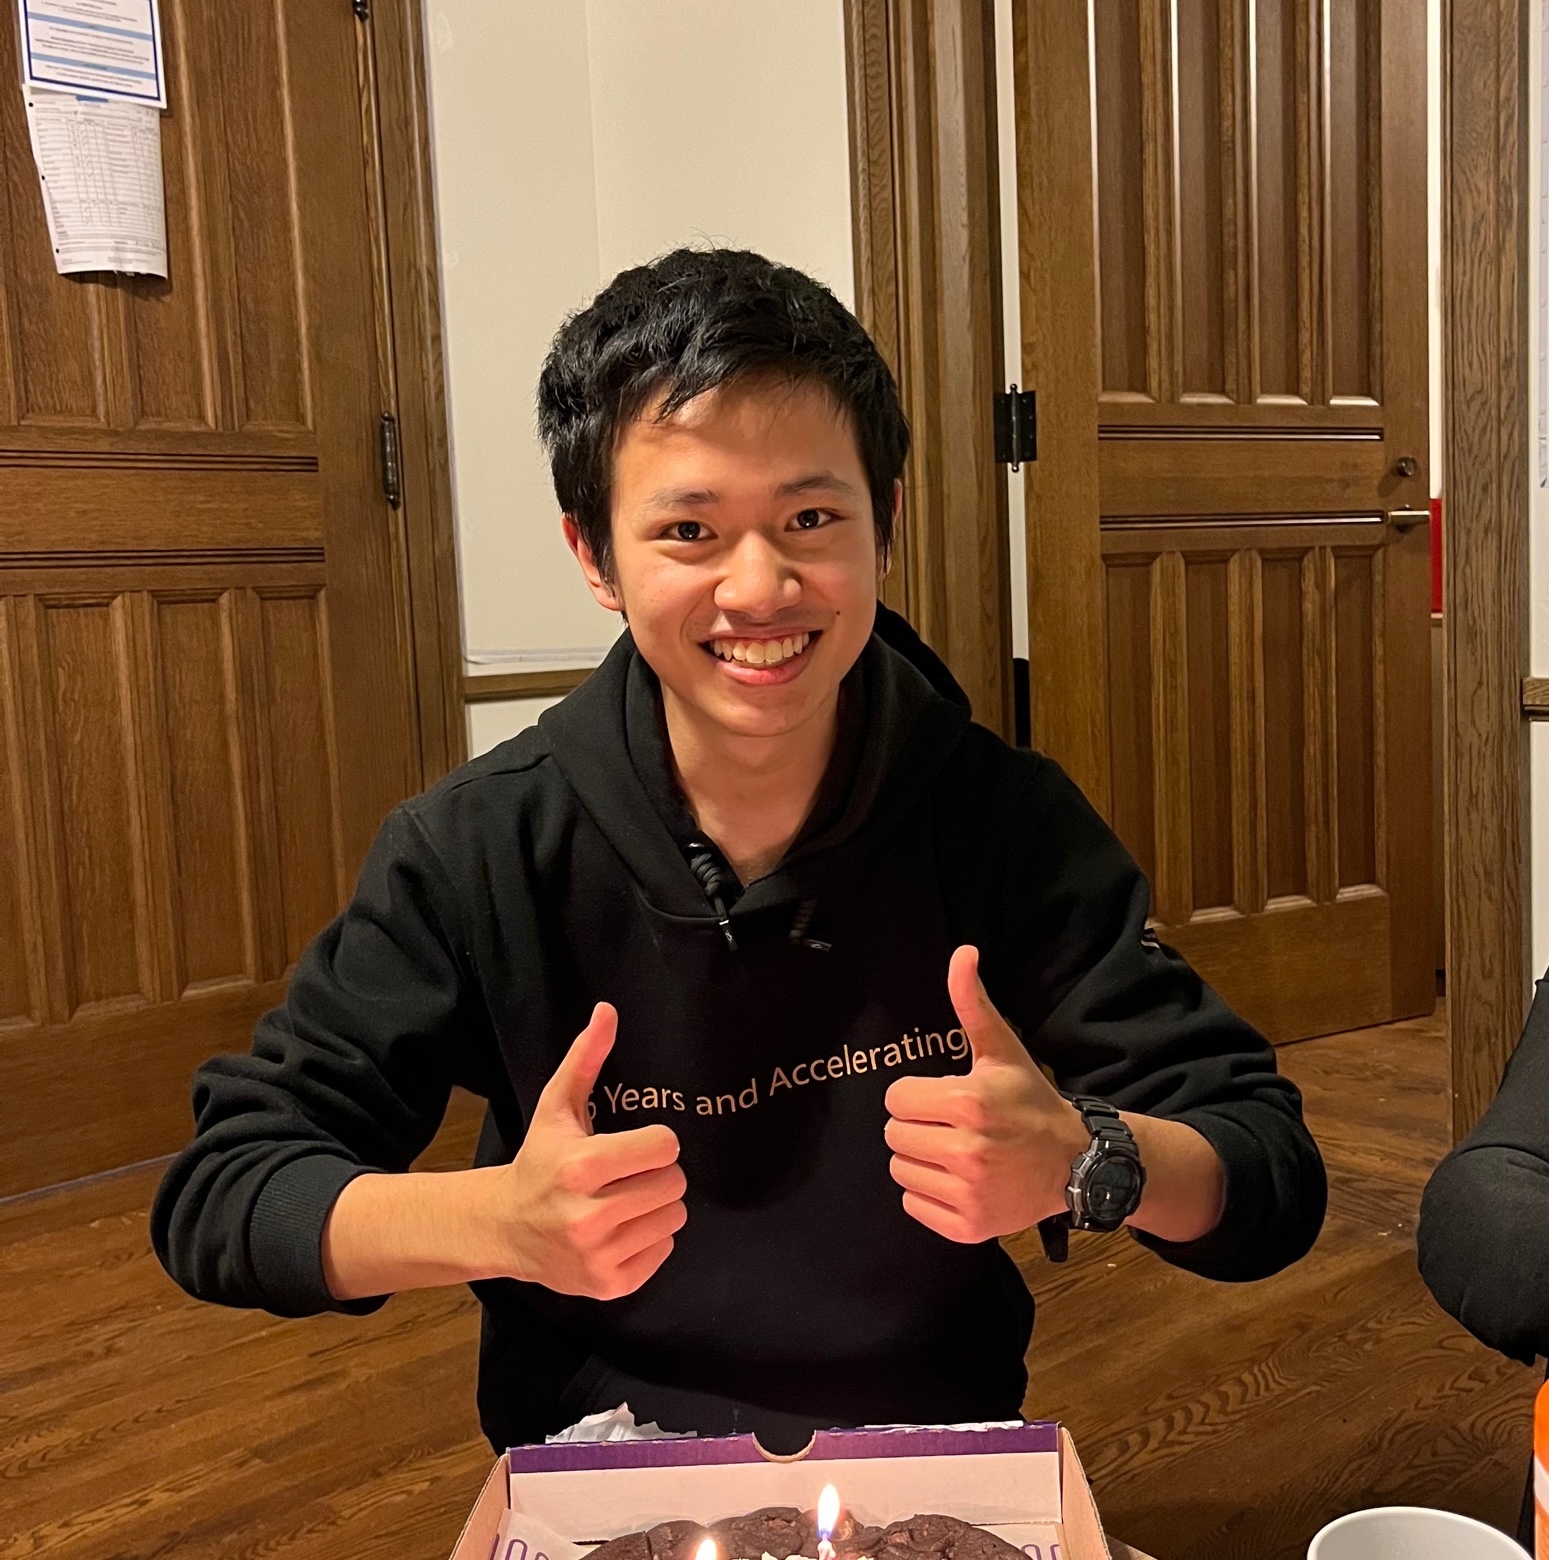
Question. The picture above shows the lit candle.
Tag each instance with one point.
(707, 1550)
(828, 1520)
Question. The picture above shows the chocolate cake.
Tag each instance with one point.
(783, 1531)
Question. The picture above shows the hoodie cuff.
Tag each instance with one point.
(1261, 1228)
(285, 1237)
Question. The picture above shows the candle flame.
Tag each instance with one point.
(707, 1550)
(828, 1511)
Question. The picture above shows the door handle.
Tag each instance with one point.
(1408, 519)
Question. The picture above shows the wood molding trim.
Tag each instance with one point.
(1535, 698)
(396, 34)
(925, 213)
(1484, 159)
(497, 687)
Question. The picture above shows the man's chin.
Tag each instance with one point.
(758, 712)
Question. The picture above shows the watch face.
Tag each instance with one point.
(1112, 1192)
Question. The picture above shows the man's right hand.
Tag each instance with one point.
(580, 1214)
(588, 1214)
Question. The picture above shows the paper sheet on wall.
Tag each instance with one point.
(99, 165)
(110, 48)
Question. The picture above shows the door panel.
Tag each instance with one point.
(205, 692)
(1228, 375)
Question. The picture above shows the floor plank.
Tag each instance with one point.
(1216, 1422)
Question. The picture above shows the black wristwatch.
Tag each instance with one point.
(1106, 1179)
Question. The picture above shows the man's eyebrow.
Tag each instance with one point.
(812, 482)
(817, 482)
(677, 498)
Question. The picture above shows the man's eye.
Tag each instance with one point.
(810, 519)
(685, 530)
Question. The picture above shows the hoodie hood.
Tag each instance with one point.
(901, 717)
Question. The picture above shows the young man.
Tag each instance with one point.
(753, 945)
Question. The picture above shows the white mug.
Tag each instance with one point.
(1410, 1533)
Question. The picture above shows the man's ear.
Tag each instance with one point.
(885, 564)
(600, 584)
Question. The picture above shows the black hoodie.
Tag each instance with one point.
(554, 872)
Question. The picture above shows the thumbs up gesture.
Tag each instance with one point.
(988, 1153)
(587, 1214)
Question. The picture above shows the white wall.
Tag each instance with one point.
(572, 138)
(722, 121)
(491, 724)
(512, 128)
(1011, 304)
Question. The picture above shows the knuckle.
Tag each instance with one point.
(598, 1276)
(584, 1228)
(972, 1109)
(974, 1156)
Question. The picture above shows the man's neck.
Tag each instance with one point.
(751, 795)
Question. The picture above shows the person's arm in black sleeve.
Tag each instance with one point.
(1484, 1218)
(352, 1074)
(1114, 1013)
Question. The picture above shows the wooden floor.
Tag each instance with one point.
(1215, 1421)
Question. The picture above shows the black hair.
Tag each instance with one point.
(689, 322)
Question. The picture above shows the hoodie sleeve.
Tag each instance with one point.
(1114, 1013)
(352, 1074)
(1484, 1218)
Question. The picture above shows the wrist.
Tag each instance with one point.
(1185, 1194)
(1071, 1140)
(491, 1233)
(413, 1230)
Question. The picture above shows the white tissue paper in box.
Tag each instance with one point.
(616, 1424)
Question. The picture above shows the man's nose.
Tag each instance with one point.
(758, 582)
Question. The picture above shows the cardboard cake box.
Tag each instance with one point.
(1023, 1482)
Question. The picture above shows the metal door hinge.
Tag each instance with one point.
(362, 9)
(1016, 427)
(392, 471)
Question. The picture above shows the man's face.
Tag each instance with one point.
(744, 553)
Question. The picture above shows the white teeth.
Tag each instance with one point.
(760, 652)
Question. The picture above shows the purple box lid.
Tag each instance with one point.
(837, 1445)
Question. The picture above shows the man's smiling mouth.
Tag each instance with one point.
(761, 652)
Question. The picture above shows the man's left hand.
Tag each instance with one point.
(987, 1153)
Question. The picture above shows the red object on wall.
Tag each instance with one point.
(1436, 555)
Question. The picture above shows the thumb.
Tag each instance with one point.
(990, 1036)
(572, 1082)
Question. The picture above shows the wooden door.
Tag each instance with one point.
(205, 691)
(1223, 244)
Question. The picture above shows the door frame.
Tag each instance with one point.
(1484, 242)
(1484, 559)
(397, 117)
(925, 217)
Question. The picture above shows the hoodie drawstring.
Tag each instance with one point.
(721, 888)
(799, 924)
(718, 881)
